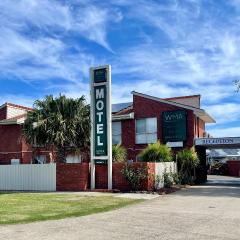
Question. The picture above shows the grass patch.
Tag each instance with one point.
(30, 207)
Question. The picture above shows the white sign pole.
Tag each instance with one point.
(101, 121)
(109, 127)
(92, 166)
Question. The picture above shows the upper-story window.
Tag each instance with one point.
(116, 133)
(146, 130)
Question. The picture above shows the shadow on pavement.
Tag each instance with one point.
(216, 186)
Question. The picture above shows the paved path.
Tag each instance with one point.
(204, 212)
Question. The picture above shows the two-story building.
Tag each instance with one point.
(175, 121)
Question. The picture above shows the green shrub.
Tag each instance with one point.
(156, 152)
(176, 178)
(167, 179)
(119, 153)
(187, 160)
(135, 176)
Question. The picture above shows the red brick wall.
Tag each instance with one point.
(10, 144)
(10, 138)
(234, 168)
(101, 177)
(13, 145)
(145, 108)
(119, 181)
(3, 113)
(72, 176)
(6, 158)
(201, 128)
(128, 138)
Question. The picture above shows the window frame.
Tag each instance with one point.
(117, 134)
(146, 133)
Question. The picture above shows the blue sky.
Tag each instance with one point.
(162, 48)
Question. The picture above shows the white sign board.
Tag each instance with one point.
(217, 141)
(175, 144)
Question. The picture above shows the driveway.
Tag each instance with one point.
(210, 211)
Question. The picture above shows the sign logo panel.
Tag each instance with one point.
(100, 75)
(174, 126)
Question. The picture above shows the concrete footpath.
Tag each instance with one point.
(210, 211)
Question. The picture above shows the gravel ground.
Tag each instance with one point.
(211, 211)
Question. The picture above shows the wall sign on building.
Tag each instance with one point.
(101, 119)
(174, 126)
(217, 141)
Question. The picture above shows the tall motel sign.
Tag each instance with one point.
(101, 120)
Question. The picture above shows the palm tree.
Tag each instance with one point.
(60, 122)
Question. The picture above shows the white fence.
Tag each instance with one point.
(28, 177)
(162, 167)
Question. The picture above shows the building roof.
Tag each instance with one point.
(19, 119)
(123, 108)
(192, 100)
(220, 153)
(189, 96)
(202, 114)
(15, 106)
(120, 106)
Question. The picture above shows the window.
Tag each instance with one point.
(15, 161)
(73, 158)
(116, 133)
(146, 130)
(40, 159)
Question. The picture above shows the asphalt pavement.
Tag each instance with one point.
(210, 211)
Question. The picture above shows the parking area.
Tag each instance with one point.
(223, 180)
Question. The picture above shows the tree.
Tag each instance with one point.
(60, 122)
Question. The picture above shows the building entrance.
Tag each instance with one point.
(202, 144)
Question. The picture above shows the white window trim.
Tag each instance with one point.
(145, 127)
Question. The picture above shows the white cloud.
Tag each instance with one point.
(225, 112)
(17, 99)
(43, 58)
(51, 16)
(200, 48)
(186, 49)
(225, 132)
(34, 39)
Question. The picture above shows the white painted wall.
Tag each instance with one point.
(191, 101)
(28, 177)
(13, 111)
(160, 168)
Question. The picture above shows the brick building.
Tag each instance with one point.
(135, 124)
(13, 147)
